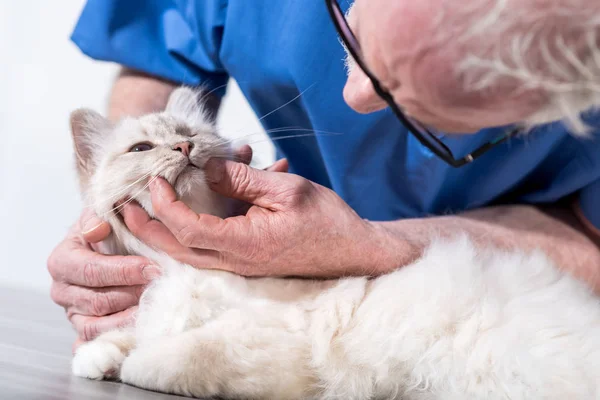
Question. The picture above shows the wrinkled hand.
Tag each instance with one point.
(293, 228)
(98, 292)
(460, 67)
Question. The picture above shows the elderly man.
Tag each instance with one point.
(368, 201)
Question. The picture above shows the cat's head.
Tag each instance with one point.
(117, 161)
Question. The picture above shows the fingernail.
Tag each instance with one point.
(214, 169)
(90, 223)
(151, 272)
(90, 226)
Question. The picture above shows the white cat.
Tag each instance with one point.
(459, 323)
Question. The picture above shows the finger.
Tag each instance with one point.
(236, 180)
(89, 328)
(93, 229)
(243, 154)
(154, 233)
(83, 267)
(95, 301)
(281, 165)
(151, 231)
(73, 263)
(200, 231)
(163, 196)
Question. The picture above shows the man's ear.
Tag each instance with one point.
(88, 129)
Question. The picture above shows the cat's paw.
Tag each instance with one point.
(169, 367)
(148, 369)
(98, 360)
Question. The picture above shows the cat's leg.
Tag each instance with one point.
(102, 357)
(240, 355)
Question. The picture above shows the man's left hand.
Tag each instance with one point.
(294, 227)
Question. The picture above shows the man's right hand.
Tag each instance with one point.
(98, 292)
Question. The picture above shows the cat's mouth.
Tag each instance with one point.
(185, 172)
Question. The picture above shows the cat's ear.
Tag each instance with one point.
(88, 128)
(185, 103)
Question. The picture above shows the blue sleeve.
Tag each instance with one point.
(179, 41)
(589, 201)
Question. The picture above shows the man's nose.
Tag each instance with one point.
(360, 94)
(184, 147)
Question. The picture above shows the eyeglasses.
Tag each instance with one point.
(426, 136)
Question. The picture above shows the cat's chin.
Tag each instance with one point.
(188, 172)
(189, 180)
(191, 188)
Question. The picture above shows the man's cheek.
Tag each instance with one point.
(430, 79)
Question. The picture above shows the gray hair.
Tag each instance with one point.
(559, 56)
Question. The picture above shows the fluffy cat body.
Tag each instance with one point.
(459, 323)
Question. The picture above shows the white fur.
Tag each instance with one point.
(457, 324)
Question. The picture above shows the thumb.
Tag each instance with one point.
(239, 181)
(281, 165)
(93, 229)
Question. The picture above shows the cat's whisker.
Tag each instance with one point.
(289, 102)
(286, 104)
(227, 141)
(131, 198)
(314, 132)
(283, 128)
(317, 131)
(293, 137)
(205, 95)
(228, 156)
(120, 192)
(279, 138)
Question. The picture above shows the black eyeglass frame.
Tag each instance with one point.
(352, 45)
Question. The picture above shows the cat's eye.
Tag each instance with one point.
(141, 147)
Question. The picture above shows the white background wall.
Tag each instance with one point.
(43, 77)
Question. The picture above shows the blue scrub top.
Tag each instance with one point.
(277, 49)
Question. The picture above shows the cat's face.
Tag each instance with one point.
(116, 162)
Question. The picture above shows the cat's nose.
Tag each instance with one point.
(184, 147)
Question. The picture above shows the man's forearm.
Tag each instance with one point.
(555, 231)
(135, 93)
